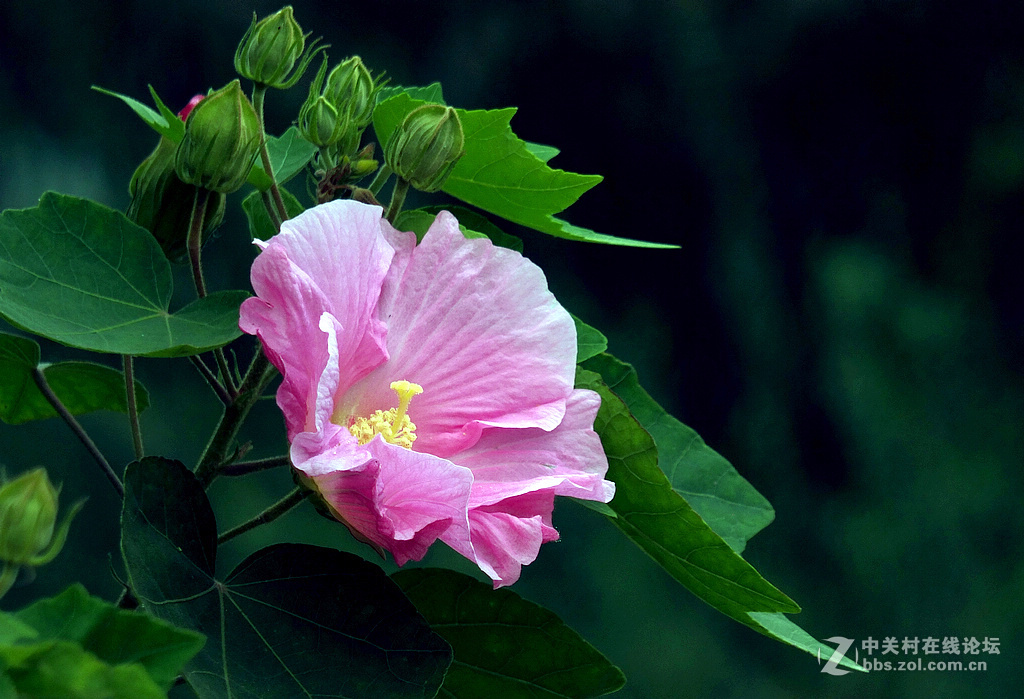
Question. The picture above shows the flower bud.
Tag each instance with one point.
(270, 49)
(28, 511)
(424, 149)
(320, 124)
(350, 87)
(162, 204)
(222, 137)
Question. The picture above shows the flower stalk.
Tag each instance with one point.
(268, 515)
(258, 94)
(69, 419)
(132, 403)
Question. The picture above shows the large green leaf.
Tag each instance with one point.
(82, 274)
(504, 175)
(427, 93)
(290, 620)
(288, 153)
(81, 386)
(706, 480)
(260, 225)
(74, 645)
(660, 521)
(504, 645)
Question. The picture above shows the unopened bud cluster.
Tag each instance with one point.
(337, 111)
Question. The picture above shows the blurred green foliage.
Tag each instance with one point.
(844, 322)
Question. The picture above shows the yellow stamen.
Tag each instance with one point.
(393, 424)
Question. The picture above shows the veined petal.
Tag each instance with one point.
(331, 259)
(508, 535)
(568, 460)
(477, 328)
(400, 500)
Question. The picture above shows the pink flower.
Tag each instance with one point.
(428, 390)
(187, 109)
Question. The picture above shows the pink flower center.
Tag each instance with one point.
(392, 424)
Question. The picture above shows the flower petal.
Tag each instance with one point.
(568, 460)
(508, 535)
(330, 259)
(401, 500)
(477, 328)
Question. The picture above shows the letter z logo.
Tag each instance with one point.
(832, 666)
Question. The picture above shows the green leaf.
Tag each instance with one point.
(74, 645)
(543, 153)
(778, 626)
(472, 224)
(589, 341)
(288, 155)
(429, 93)
(290, 620)
(115, 636)
(260, 226)
(64, 669)
(707, 481)
(501, 174)
(81, 386)
(165, 122)
(505, 646)
(82, 274)
(662, 523)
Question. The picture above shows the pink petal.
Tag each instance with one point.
(569, 460)
(401, 500)
(331, 260)
(508, 535)
(477, 328)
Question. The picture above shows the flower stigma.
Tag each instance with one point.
(392, 424)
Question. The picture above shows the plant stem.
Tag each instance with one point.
(260, 372)
(195, 239)
(51, 397)
(268, 204)
(397, 199)
(133, 406)
(243, 468)
(258, 92)
(381, 177)
(211, 379)
(268, 515)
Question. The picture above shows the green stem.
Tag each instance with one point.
(211, 379)
(258, 92)
(244, 468)
(133, 406)
(195, 239)
(260, 372)
(268, 515)
(381, 177)
(268, 204)
(51, 397)
(397, 199)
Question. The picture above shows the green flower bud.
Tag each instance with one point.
(28, 510)
(350, 87)
(162, 203)
(424, 149)
(270, 49)
(222, 138)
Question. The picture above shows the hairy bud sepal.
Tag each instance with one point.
(273, 52)
(222, 138)
(425, 148)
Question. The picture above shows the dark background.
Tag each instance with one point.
(843, 321)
